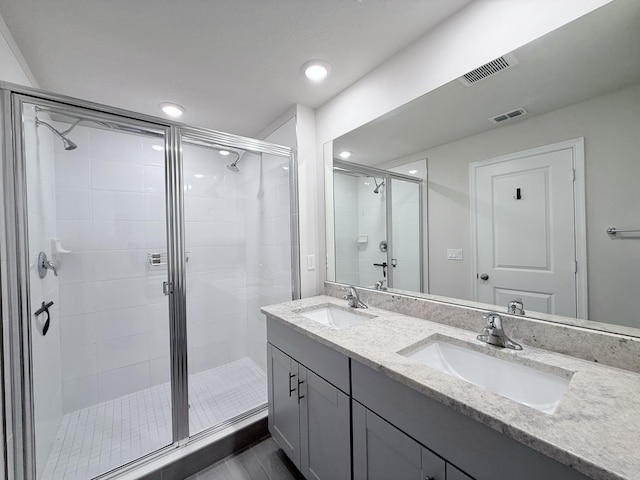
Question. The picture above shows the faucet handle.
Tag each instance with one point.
(494, 320)
(516, 307)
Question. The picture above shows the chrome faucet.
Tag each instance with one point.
(380, 285)
(493, 334)
(353, 299)
(515, 307)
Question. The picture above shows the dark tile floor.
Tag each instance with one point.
(262, 461)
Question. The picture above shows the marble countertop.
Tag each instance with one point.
(595, 429)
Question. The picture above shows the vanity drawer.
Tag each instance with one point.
(324, 361)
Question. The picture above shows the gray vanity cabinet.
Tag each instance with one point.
(381, 452)
(454, 474)
(284, 422)
(469, 445)
(309, 403)
(324, 430)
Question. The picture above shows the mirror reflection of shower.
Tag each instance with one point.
(233, 166)
(378, 186)
(377, 231)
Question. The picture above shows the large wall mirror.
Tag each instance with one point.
(526, 166)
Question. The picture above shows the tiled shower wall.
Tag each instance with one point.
(359, 214)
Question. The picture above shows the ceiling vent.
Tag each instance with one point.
(518, 112)
(488, 69)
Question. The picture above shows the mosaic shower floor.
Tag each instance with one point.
(94, 440)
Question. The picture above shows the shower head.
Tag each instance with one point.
(234, 166)
(378, 186)
(68, 144)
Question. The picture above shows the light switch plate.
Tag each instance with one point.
(454, 254)
(311, 262)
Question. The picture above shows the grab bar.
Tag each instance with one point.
(614, 230)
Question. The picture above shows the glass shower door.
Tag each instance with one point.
(237, 219)
(405, 248)
(99, 326)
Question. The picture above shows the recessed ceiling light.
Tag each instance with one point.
(157, 148)
(413, 172)
(224, 153)
(172, 110)
(198, 175)
(344, 154)
(316, 70)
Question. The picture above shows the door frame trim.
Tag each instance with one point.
(579, 213)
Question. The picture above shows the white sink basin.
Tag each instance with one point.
(335, 317)
(536, 388)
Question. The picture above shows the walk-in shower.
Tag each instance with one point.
(378, 228)
(163, 257)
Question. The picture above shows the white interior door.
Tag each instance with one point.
(525, 230)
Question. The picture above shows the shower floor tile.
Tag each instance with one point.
(94, 440)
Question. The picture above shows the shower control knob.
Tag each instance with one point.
(484, 276)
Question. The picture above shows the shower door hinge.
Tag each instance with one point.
(167, 288)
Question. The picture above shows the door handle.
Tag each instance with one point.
(484, 276)
(291, 390)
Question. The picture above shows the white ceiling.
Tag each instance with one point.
(233, 64)
(591, 56)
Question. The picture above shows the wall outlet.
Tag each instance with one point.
(311, 262)
(454, 254)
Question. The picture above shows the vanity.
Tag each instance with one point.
(352, 395)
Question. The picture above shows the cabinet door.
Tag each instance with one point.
(454, 474)
(381, 451)
(284, 420)
(325, 439)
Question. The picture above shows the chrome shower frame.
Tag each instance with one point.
(15, 336)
